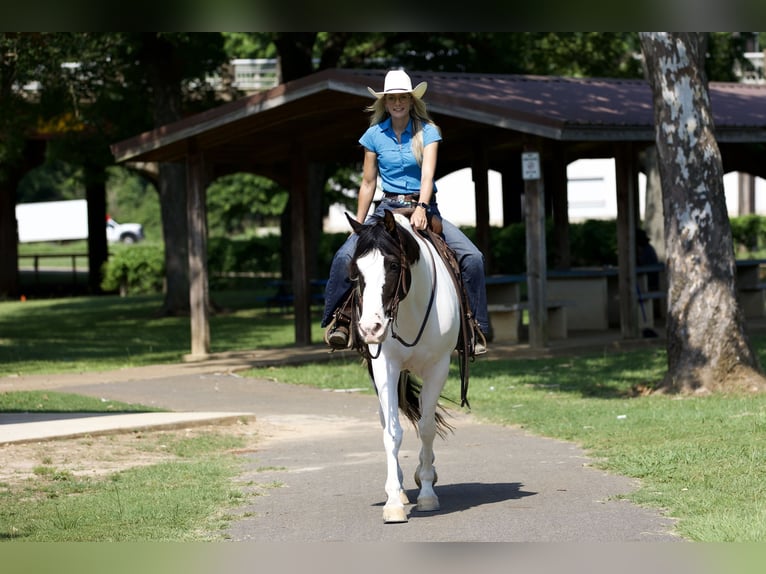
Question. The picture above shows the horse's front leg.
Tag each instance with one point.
(425, 474)
(386, 382)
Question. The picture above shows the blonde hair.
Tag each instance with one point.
(418, 114)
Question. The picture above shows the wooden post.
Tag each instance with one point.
(512, 191)
(746, 192)
(626, 178)
(299, 245)
(557, 189)
(536, 252)
(199, 297)
(480, 174)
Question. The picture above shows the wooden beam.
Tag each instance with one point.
(513, 187)
(480, 174)
(299, 189)
(556, 177)
(626, 176)
(536, 251)
(746, 192)
(199, 298)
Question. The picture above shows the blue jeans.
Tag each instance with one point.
(469, 257)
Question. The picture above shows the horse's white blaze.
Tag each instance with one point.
(373, 323)
(429, 359)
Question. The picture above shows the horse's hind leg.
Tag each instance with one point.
(425, 475)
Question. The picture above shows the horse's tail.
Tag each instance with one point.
(409, 403)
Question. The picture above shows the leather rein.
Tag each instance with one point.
(401, 292)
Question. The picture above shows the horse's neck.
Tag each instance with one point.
(428, 275)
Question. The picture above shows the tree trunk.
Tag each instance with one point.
(33, 155)
(296, 50)
(163, 70)
(708, 349)
(98, 252)
(175, 231)
(9, 239)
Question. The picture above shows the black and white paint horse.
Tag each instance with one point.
(409, 317)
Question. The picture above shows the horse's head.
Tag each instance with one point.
(381, 268)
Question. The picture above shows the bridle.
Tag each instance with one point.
(401, 293)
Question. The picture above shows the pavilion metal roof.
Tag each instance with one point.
(324, 115)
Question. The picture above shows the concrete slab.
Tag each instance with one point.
(22, 427)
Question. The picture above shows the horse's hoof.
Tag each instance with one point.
(417, 476)
(428, 504)
(403, 497)
(394, 514)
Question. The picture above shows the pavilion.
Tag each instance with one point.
(488, 121)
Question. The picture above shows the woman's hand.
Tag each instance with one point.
(419, 219)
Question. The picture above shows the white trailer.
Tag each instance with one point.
(67, 221)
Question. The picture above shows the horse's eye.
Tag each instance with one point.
(394, 266)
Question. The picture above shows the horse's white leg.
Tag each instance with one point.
(433, 383)
(402, 494)
(386, 381)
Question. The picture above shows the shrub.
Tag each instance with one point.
(748, 232)
(250, 254)
(509, 248)
(135, 269)
(593, 243)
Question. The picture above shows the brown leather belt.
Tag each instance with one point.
(402, 197)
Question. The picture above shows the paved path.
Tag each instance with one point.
(324, 450)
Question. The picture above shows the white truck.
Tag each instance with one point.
(67, 221)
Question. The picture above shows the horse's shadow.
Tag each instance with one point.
(462, 496)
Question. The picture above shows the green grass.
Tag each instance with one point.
(179, 500)
(172, 501)
(103, 333)
(55, 402)
(701, 459)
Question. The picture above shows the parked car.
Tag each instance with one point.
(123, 232)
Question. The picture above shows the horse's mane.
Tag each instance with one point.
(375, 235)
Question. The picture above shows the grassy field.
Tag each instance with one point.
(186, 496)
(701, 459)
(103, 333)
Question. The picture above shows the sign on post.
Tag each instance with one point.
(530, 165)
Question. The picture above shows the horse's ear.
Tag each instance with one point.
(355, 225)
(389, 220)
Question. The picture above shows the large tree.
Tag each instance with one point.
(122, 83)
(24, 58)
(166, 64)
(708, 348)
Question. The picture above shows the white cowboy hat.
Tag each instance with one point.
(398, 82)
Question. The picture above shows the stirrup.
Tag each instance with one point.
(479, 346)
(337, 336)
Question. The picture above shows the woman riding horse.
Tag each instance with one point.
(401, 146)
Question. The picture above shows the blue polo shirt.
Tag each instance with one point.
(398, 168)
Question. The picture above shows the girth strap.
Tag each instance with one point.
(469, 327)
